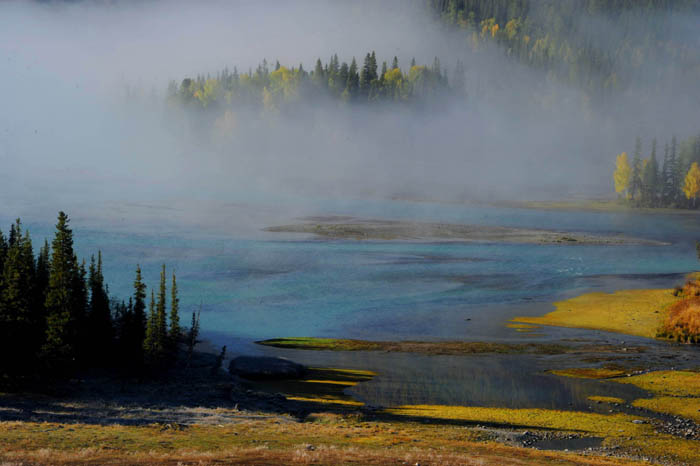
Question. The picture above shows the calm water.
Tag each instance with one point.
(255, 285)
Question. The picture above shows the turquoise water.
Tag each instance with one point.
(254, 285)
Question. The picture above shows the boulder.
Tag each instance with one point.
(265, 367)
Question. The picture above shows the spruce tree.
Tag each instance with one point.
(17, 308)
(353, 79)
(676, 174)
(636, 181)
(395, 63)
(174, 331)
(99, 314)
(650, 176)
(666, 179)
(60, 343)
(161, 317)
(318, 78)
(136, 324)
(150, 341)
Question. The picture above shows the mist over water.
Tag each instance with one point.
(70, 133)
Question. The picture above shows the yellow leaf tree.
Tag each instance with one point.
(691, 187)
(623, 174)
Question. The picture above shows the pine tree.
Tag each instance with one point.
(676, 174)
(150, 341)
(650, 176)
(318, 76)
(136, 324)
(61, 321)
(99, 314)
(636, 181)
(366, 75)
(353, 79)
(395, 63)
(174, 331)
(17, 317)
(161, 317)
(666, 179)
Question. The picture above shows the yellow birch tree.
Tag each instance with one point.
(623, 174)
(691, 187)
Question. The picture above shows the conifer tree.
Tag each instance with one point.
(138, 321)
(650, 176)
(150, 342)
(676, 174)
(17, 317)
(61, 323)
(395, 63)
(99, 313)
(353, 79)
(174, 331)
(317, 78)
(161, 316)
(636, 178)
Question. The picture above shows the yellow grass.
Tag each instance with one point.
(667, 383)
(633, 312)
(328, 440)
(688, 408)
(616, 429)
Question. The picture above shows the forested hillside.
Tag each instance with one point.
(601, 46)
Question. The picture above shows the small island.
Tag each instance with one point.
(333, 227)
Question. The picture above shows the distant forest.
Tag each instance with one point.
(601, 46)
(673, 182)
(275, 88)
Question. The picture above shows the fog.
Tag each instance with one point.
(68, 133)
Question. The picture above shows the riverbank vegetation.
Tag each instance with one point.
(57, 316)
(683, 320)
(672, 183)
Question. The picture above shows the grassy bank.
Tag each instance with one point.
(594, 206)
(322, 440)
(618, 431)
(632, 312)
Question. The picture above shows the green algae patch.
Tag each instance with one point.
(439, 347)
(633, 312)
(667, 383)
(606, 399)
(590, 372)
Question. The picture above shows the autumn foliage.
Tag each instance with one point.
(683, 320)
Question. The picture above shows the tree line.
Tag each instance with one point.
(598, 45)
(56, 314)
(277, 88)
(675, 182)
